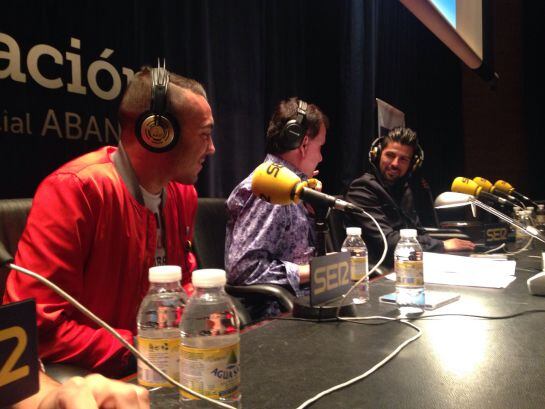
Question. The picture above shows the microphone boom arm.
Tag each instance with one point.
(530, 230)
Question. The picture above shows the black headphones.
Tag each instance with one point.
(376, 150)
(157, 130)
(294, 130)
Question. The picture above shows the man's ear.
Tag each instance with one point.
(304, 145)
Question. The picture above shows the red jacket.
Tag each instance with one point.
(88, 234)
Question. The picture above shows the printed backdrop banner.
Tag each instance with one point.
(63, 68)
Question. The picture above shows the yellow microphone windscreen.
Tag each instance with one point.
(484, 183)
(503, 186)
(465, 185)
(274, 183)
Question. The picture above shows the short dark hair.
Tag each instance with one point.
(286, 110)
(137, 97)
(404, 136)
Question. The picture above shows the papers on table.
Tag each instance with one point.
(467, 271)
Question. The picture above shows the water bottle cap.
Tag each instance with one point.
(351, 231)
(407, 233)
(165, 274)
(210, 277)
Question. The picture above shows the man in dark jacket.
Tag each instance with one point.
(384, 192)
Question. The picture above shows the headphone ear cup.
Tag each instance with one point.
(418, 158)
(157, 133)
(292, 135)
(375, 150)
(416, 164)
(373, 153)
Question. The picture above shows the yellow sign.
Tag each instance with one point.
(18, 352)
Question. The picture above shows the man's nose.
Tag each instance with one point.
(211, 147)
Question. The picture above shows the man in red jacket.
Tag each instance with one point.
(100, 221)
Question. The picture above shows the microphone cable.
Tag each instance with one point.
(374, 368)
(112, 331)
(384, 320)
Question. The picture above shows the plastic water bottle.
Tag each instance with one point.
(158, 328)
(521, 238)
(409, 269)
(540, 217)
(210, 348)
(359, 266)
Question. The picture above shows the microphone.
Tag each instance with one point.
(505, 187)
(277, 184)
(489, 187)
(469, 187)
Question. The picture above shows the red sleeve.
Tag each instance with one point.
(56, 244)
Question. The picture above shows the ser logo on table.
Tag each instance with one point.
(495, 234)
(18, 352)
(329, 277)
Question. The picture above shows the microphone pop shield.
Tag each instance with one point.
(465, 185)
(504, 187)
(274, 183)
(484, 183)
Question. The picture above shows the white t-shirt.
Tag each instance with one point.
(153, 203)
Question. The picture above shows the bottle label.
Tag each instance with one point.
(358, 267)
(213, 372)
(409, 273)
(162, 352)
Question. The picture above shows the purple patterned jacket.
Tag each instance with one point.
(265, 243)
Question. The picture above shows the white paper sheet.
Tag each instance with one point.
(467, 271)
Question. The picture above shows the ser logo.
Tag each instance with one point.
(273, 169)
(331, 276)
(8, 371)
(18, 352)
(496, 234)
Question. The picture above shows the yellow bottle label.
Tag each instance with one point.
(213, 372)
(409, 273)
(162, 352)
(358, 267)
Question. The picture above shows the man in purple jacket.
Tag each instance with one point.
(268, 243)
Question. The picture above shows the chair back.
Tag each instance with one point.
(209, 237)
(13, 215)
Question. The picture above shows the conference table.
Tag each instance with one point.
(458, 362)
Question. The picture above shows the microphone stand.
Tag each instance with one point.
(322, 229)
(328, 311)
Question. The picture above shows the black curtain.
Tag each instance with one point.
(419, 75)
(533, 35)
(249, 54)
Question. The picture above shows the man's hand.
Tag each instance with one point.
(304, 273)
(458, 245)
(95, 391)
(315, 184)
